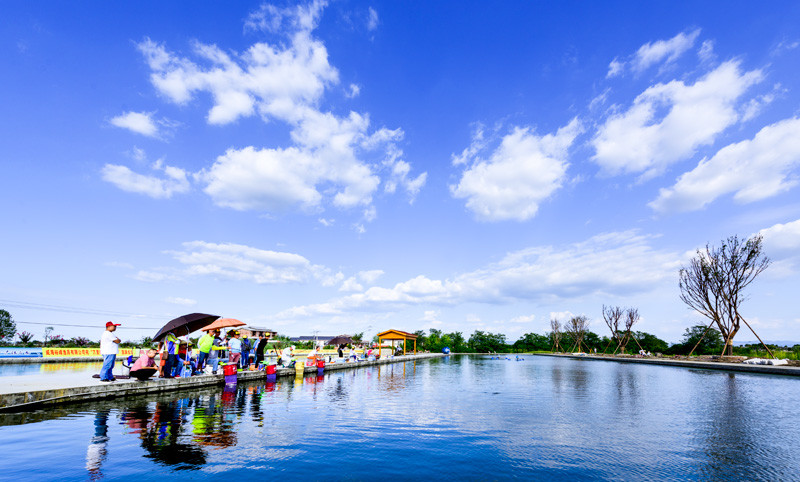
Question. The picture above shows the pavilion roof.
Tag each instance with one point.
(397, 335)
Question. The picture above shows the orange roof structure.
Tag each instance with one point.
(397, 335)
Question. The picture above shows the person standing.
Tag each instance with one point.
(204, 347)
(109, 347)
(235, 346)
(171, 349)
(245, 352)
(216, 347)
(260, 347)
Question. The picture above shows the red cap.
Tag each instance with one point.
(111, 323)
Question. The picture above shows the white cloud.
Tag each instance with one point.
(522, 319)
(706, 52)
(353, 91)
(666, 51)
(173, 181)
(782, 245)
(350, 284)
(138, 122)
(638, 141)
(283, 82)
(180, 301)
(757, 104)
(613, 264)
(477, 144)
(370, 276)
(523, 171)
(372, 19)
(783, 238)
(663, 52)
(752, 169)
(561, 316)
(615, 68)
(431, 317)
(240, 262)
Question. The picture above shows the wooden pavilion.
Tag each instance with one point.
(397, 335)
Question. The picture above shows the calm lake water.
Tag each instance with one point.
(462, 417)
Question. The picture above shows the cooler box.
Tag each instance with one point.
(270, 369)
(320, 363)
(299, 369)
(229, 369)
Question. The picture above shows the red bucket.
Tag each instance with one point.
(270, 369)
(229, 369)
(320, 363)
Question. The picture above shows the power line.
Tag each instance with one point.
(84, 326)
(72, 309)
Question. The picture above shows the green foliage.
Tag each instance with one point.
(711, 344)
(487, 342)
(757, 350)
(532, 342)
(358, 337)
(437, 340)
(7, 326)
(651, 343)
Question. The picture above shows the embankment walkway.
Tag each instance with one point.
(28, 397)
(705, 365)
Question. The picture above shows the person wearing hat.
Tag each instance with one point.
(109, 347)
(235, 345)
(170, 344)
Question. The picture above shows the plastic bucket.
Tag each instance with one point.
(270, 369)
(229, 369)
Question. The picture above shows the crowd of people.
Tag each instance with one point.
(177, 357)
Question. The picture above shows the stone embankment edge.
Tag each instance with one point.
(731, 367)
(21, 401)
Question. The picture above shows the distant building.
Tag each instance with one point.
(254, 331)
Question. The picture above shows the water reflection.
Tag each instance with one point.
(462, 417)
(97, 451)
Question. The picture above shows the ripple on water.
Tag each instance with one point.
(458, 418)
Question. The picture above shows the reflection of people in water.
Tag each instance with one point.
(96, 452)
(161, 440)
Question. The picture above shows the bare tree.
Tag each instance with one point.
(631, 318)
(555, 332)
(612, 316)
(576, 328)
(714, 282)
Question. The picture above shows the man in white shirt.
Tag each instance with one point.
(109, 347)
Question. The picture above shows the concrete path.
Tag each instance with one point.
(18, 394)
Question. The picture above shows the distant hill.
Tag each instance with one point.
(788, 343)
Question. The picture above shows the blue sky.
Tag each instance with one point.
(349, 166)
